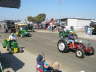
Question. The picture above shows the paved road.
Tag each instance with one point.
(46, 42)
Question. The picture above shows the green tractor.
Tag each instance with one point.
(12, 46)
(30, 28)
(63, 34)
(23, 33)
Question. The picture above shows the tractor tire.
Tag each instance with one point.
(62, 46)
(21, 36)
(29, 35)
(92, 52)
(60, 35)
(21, 50)
(10, 51)
(80, 53)
(4, 46)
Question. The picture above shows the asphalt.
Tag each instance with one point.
(47, 43)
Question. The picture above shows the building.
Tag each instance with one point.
(3, 22)
(77, 23)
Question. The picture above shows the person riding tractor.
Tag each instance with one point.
(12, 38)
(11, 44)
(23, 32)
(70, 38)
(64, 33)
(71, 42)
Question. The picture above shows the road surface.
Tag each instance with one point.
(47, 43)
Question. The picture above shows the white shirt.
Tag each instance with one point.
(12, 37)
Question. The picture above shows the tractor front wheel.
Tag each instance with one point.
(79, 53)
(62, 46)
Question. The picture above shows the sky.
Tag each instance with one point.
(52, 8)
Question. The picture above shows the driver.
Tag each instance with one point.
(12, 37)
(71, 38)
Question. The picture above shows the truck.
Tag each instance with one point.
(9, 26)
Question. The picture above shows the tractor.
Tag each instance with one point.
(63, 34)
(76, 45)
(12, 46)
(79, 48)
(22, 30)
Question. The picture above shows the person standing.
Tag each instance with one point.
(89, 32)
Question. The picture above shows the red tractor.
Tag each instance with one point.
(79, 48)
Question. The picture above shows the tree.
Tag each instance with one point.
(40, 18)
(29, 18)
(37, 19)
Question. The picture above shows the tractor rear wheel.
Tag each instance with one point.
(10, 51)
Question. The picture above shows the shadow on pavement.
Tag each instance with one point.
(11, 61)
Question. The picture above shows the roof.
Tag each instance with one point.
(76, 18)
(10, 20)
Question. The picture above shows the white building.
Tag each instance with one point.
(77, 23)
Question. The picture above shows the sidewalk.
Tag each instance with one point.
(86, 36)
(29, 61)
(26, 59)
